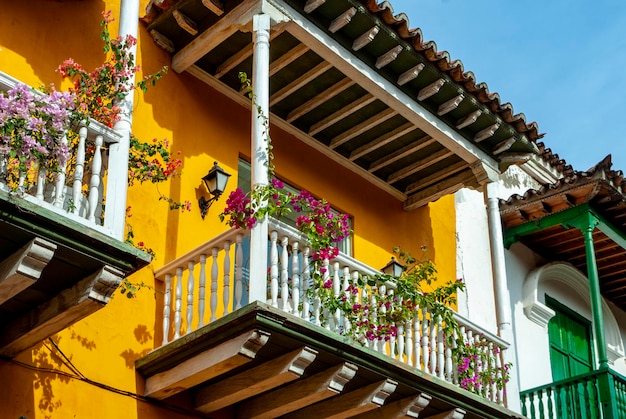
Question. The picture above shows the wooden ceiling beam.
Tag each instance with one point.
(341, 114)
(485, 133)
(243, 54)
(349, 404)
(399, 154)
(287, 58)
(362, 127)
(323, 97)
(292, 87)
(438, 190)
(206, 365)
(379, 142)
(299, 394)
(435, 177)
(419, 165)
(212, 37)
(251, 382)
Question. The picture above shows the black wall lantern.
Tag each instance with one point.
(215, 182)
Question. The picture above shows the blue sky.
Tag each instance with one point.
(561, 63)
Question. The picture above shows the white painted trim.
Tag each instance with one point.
(568, 276)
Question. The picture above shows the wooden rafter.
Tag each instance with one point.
(323, 97)
(287, 58)
(310, 75)
(342, 113)
(401, 153)
(365, 38)
(450, 105)
(410, 74)
(215, 6)
(362, 127)
(383, 140)
(388, 57)
(185, 22)
(435, 177)
(419, 165)
(342, 20)
(445, 187)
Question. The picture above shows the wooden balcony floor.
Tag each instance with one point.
(262, 362)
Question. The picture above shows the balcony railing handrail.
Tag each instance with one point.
(204, 249)
(464, 321)
(576, 379)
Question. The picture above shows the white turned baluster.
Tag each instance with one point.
(400, 354)
(238, 272)
(41, 182)
(491, 365)
(3, 167)
(441, 356)
(20, 182)
(306, 283)
(374, 315)
(336, 292)
(274, 269)
(284, 273)
(349, 296)
(325, 279)
(226, 292)
(201, 290)
(94, 182)
(214, 273)
(79, 170)
(455, 365)
(382, 290)
(178, 302)
(425, 335)
(190, 285)
(409, 342)
(417, 339)
(167, 301)
(295, 279)
(59, 185)
(449, 367)
(499, 392)
(433, 345)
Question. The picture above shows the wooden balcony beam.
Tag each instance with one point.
(85, 297)
(409, 407)
(24, 267)
(266, 376)
(389, 137)
(399, 154)
(349, 404)
(206, 365)
(342, 113)
(310, 75)
(362, 127)
(325, 96)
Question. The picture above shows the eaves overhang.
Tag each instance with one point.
(547, 220)
(351, 80)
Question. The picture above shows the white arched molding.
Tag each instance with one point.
(570, 277)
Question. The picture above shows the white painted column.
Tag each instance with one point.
(259, 151)
(117, 183)
(503, 298)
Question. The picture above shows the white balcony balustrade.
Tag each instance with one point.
(215, 274)
(77, 191)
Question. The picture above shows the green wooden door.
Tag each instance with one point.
(571, 355)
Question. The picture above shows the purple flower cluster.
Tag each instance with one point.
(239, 208)
(32, 126)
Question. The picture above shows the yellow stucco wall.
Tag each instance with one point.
(35, 37)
